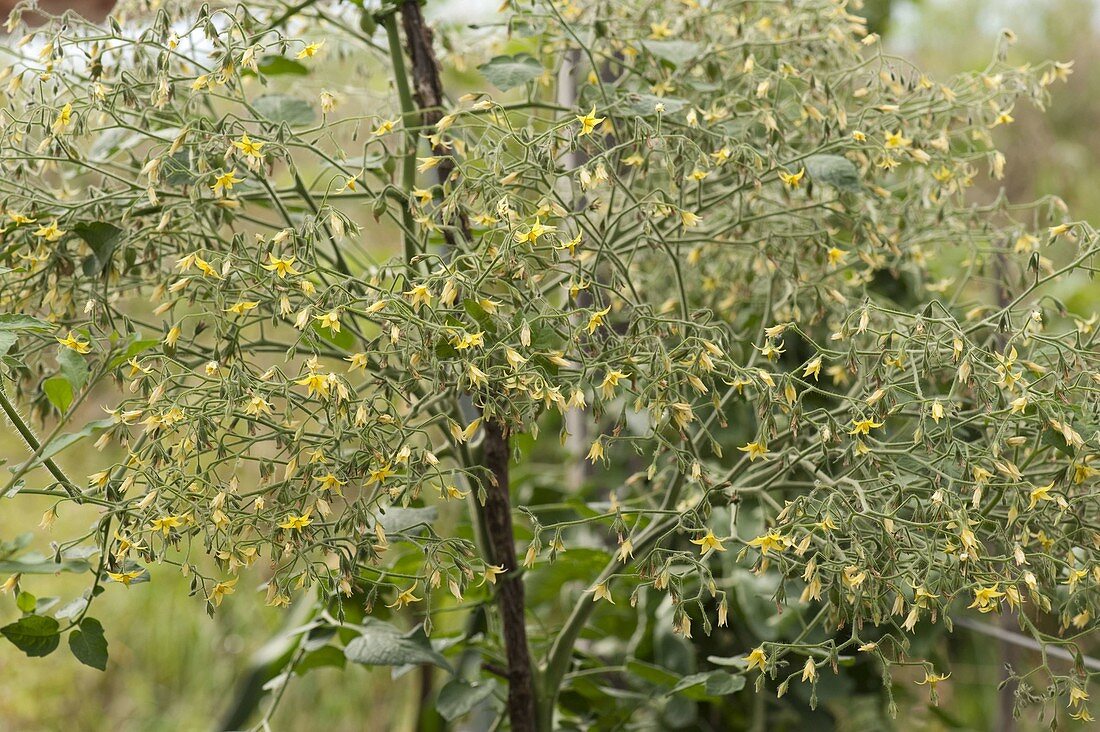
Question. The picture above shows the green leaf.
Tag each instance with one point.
(480, 315)
(73, 367)
(88, 644)
(645, 105)
(675, 52)
(343, 340)
(59, 391)
(1054, 438)
(458, 697)
(102, 238)
(26, 602)
(17, 321)
(35, 635)
(506, 72)
(37, 564)
(137, 347)
(281, 66)
(7, 340)
(834, 170)
(320, 658)
(285, 108)
(709, 684)
(381, 644)
(56, 446)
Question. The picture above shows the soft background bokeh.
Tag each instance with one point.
(174, 668)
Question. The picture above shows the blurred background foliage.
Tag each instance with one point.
(173, 668)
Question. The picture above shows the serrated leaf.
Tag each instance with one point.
(458, 697)
(285, 108)
(381, 644)
(507, 72)
(675, 52)
(834, 170)
(708, 684)
(59, 391)
(35, 635)
(103, 238)
(88, 644)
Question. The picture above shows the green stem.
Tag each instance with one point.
(32, 442)
(561, 652)
(409, 123)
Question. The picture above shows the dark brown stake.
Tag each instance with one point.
(498, 523)
(496, 452)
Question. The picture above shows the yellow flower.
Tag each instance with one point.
(896, 140)
(755, 450)
(330, 482)
(610, 381)
(63, 120)
(357, 361)
(596, 452)
(330, 320)
(405, 597)
(937, 411)
(792, 180)
(708, 543)
(249, 146)
(588, 122)
(985, 598)
(225, 181)
(813, 368)
(74, 344)
(769, 542)
(19, 219)
(315, 384)
(50, 232)
(297, 523)
(596, 320)
(1042, 493)
(756, 659)
(221, 590)
(420, 295)
(491, 573)
(384, 127)
(310, 50)
(689, 220)
(242, 307)
(426, 164)
(533, 232)
(602, 592)
(864, 426)
(835, 256)
(126, 578)
(165, 524)
(281, 266)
